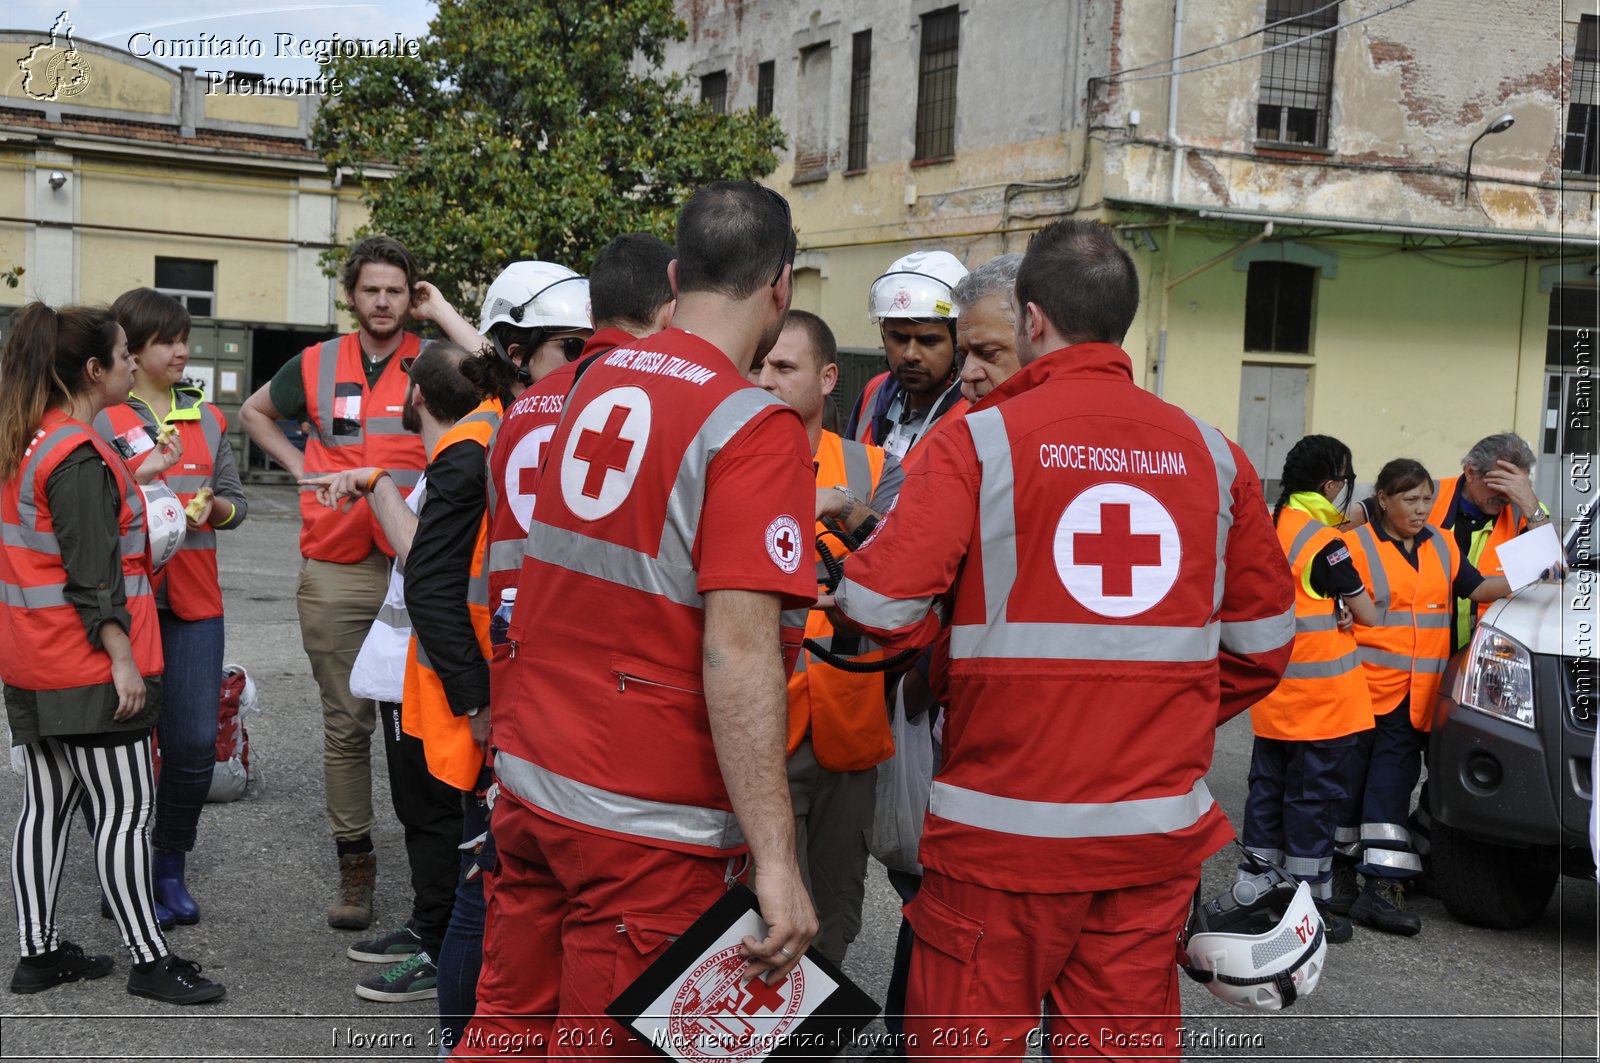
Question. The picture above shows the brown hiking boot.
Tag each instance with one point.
(358, 874)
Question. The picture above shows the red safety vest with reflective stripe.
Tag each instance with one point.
(42, 642)
(447, 743)
(353, 426)
(600, 719)
(190, 580)
(515, 453)
(1483, 550)
(1404, 655)
(1323, 693)
(1102, 547)
(844, 711)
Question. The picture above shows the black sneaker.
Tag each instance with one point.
(1337, 930)
(1382, 906)
(415, 979)
(69, 965)
(1346, 887)
(173, 980)
(391, 947)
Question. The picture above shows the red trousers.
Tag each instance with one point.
(573, 918)
(1104, 963)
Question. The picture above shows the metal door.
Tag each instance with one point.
(1272, 417)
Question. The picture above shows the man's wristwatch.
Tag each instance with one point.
(850, 499)
(470, 713)
(1538, 516)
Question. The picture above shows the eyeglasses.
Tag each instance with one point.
(791, 242)
(406, 364)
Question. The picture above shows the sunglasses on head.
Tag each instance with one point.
(791, 241)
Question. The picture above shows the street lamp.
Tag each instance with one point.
(1499, 125)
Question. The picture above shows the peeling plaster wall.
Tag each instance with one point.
(1412, 87)
(1019, 120)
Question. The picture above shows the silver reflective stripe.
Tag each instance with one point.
(394, 616)
(1272, 855)
(505, 556)
(45, 597)
(997, 517)
(407, 478)
(1322, 669)
(385, 426)
(211, 428)
(27, 504)
(29, 539)
(1346, 835)
(1303, 866)
(689, 487)
(493, 492)
(1227, 471)
(793, 618)
(1047, 819)
(1083, 642)
(478, 587)
(1308, 624)
(422, 654)
(1385, 832)
(327, 386)
(857, 469)
(615, 564)
(1406, 618)
(579, 802)
(1258, 636)
(1380, 575)
(872, 609)
(135, 586)
(1321, 891)
(1302, 539)
(1401, 662)
(199, 540)
(1392, 858)
(186, 485)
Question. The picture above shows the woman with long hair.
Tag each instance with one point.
(1306, 730)
(1416, 573)
(201, 470)
(80, 652)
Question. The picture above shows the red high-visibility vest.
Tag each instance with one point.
(1323, 693)
(189, 580)
(600, 718)
(1405, 653)
(42, 642)
(447, 743)
(844, 711)
(353, 426)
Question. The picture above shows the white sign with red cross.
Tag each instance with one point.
(1117, 550)
(522, 472)
(784, 544)
(602, 455)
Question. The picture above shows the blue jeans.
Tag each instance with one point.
(187, 728)
(461, 956)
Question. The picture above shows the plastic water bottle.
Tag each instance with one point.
(500, 623)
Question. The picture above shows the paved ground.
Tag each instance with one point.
(264, 872)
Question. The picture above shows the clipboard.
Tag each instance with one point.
(690, 1005)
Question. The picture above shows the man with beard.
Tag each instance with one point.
(351, 390)
(914, 307)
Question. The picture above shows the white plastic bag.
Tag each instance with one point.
(905, 782)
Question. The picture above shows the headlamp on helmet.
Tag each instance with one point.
(534, 295)
(1259, 944)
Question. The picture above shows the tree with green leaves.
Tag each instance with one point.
(531, 129)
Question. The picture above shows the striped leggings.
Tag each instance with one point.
(120, 788)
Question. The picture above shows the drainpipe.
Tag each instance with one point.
(1172, 103)
(333, 238)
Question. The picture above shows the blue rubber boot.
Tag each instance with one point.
(170, 889)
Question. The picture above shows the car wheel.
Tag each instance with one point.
(1489, 885)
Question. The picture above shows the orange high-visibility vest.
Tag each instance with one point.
(43, 645)
(1324, 690)
(844, 711)
(353, 426)
(190, 581)
(1405, 653)
(1482, 549)
(447, 744)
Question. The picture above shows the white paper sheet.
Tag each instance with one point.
(1529, 554)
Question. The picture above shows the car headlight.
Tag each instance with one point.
(1497, 677)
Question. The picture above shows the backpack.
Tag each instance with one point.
(232, 772)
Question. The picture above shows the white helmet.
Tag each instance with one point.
(537, 295)
(165, 526)
(247, 696)
(1259, 945)
(916, 286)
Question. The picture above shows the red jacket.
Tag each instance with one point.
(1118, 592)
(669, 476)
(515, 453)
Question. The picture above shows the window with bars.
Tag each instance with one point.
(1277, 307)
(936, 84)
(766, 79)
(860, 87)
(1297, 80)
(1581, 153)
(714, 91)
(191, 281)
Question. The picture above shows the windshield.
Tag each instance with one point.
(1581, 542)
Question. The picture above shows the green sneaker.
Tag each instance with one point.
(395, 945)
(415, 979)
